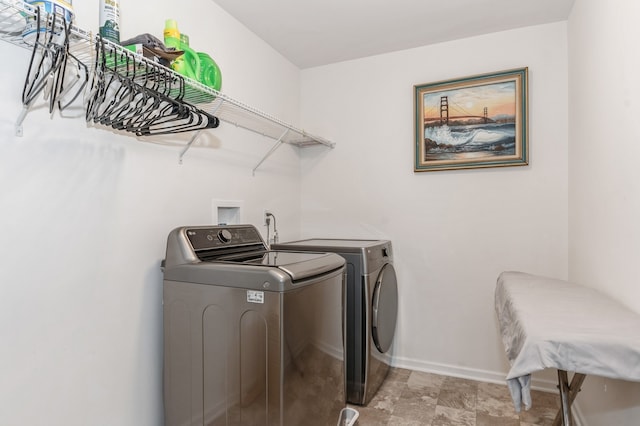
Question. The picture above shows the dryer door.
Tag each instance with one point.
(385, 308)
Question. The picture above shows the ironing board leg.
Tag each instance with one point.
(568, 393)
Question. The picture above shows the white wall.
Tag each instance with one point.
(85, 211)
(84, 215)
(604, 179)
(453, 231)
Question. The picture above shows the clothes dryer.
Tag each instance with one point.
(371, 309)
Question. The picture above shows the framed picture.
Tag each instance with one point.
(471, 122)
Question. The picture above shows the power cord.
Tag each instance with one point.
(268, 217)
(267, 220)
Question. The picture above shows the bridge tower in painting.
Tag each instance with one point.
(485, 114)
(444, 110)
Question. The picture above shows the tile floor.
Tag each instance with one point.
(409, 398)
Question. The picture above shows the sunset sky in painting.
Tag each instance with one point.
(499, 98)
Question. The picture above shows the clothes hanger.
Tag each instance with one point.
(103, 83)
(140, 97)
(179, 115)
(120, 100)
(146, 101)
(98, 85)
(155, 89)
(54, 49)
(59, 80)
(39, 71)
(190, 119)
(80, 79)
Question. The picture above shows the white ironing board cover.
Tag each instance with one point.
(550, 323)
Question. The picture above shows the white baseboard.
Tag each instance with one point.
(467, 373)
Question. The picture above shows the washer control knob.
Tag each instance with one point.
(224, 235)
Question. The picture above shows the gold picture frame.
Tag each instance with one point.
(472, 122)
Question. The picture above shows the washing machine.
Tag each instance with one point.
(251, 336)
(371, 309)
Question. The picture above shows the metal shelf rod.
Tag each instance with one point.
(271, 151)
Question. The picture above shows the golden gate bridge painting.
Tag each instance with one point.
(474, 122)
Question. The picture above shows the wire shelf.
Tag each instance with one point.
(15, 13)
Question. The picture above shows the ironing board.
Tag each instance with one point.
(550, 323)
